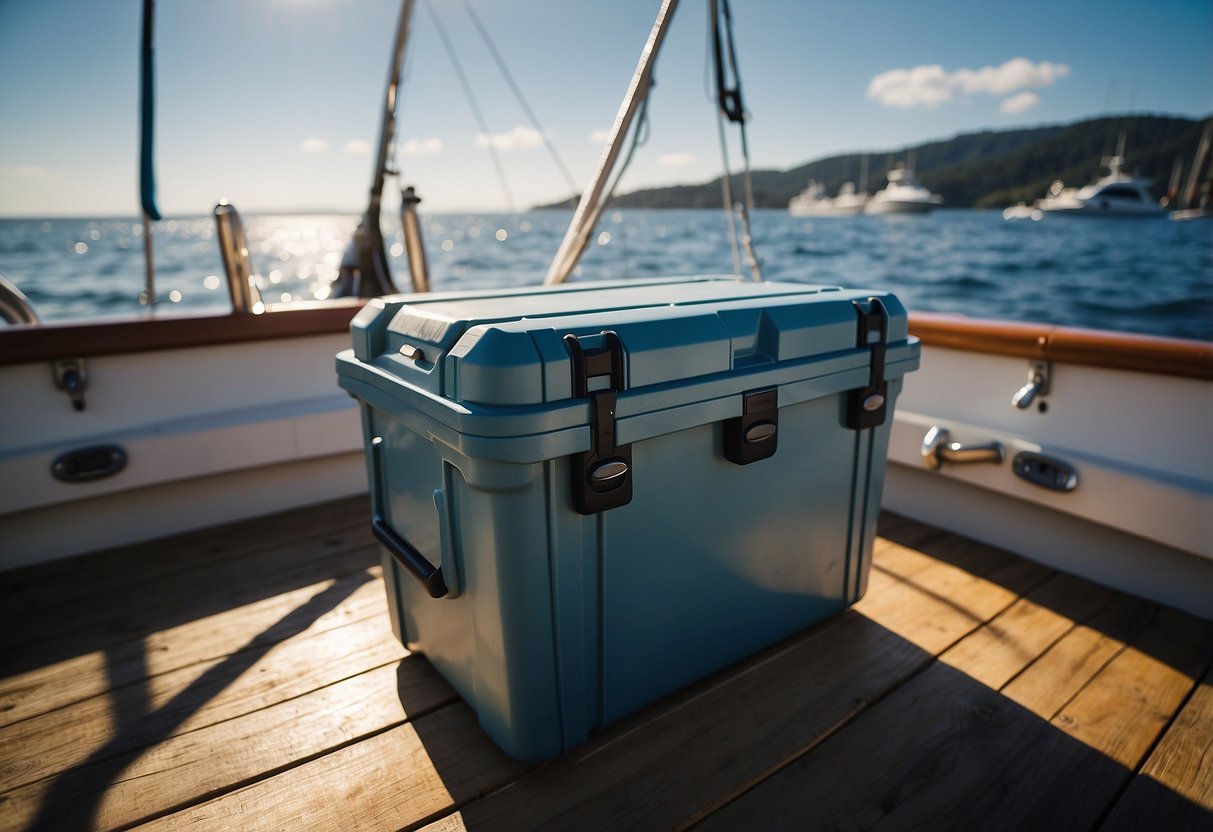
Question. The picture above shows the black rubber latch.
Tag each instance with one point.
(754, 434)
(867, 406)
(601, 476)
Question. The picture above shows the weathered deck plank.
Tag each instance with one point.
(1046, 685)
(261, 689)
(945, 749)
(393, 780)
(1174, 789)
(61, 583)
(187, 768)
(123, 614)
(212, 635)
(1125, 707)
(206, 693)
(998, 651)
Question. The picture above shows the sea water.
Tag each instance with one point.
(1149, 276)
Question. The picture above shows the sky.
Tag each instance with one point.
(274, 104)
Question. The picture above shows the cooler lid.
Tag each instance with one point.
(506, 347)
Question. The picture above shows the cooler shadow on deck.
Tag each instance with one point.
(852, 724)
(71, 801)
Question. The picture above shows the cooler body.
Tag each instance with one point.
(620, 488)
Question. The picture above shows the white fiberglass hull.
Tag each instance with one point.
(212, 434)
(826, 210)
(1138, 518)
(1099, 208)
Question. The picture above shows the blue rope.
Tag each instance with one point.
(147, 115)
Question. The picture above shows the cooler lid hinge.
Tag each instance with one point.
(601, 476)
(866, 406)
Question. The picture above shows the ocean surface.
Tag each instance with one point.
(1137, 275)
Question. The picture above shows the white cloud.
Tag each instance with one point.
(313, 146)
(520, 138)
(421, 147)
(357, 147)
(675, 160)
(925, 86)
(599, 136)
(1019, 102)
(1015, 74)
(930, 85)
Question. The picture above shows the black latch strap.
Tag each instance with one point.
(867, 406)
(601, 476)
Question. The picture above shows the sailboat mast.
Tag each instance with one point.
(1198, 162)
(387, 126)
(593, 201)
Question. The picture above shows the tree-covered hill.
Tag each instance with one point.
(990, 169)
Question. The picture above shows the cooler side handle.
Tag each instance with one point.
(407, 556)
(401, 550)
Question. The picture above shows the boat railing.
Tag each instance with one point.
(237, 265)
(15, 307)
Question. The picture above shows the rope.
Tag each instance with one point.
(476, 112)
(727, 194)
(522, 102)
(147, 114)
(640, 137)
(730, 105)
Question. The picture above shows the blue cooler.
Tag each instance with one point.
(590, 496)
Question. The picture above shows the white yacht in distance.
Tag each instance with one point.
(813, 202)
(903, 195)
(1116, 194)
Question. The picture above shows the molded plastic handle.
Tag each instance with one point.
(407, 556)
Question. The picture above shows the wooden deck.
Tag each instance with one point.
(246, 678)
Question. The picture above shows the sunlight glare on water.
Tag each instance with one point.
(1151, 276)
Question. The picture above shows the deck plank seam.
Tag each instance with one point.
(457, 806)
(218, 657)
(132, 749)
(929, 661)
(673, 703)
(190, 567)
(1074, 625)
(213, 794)
(17, 649)
(698, 817)
(245, 782)
(1126, 644)
(909, 581)
(1102, 819)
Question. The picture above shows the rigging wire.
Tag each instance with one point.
(522, 102)
(640, 137)
(731, 106)
(476, 112)
(727, 194)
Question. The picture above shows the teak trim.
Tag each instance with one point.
(1067, 345)
(46, 342)
(1064, 345)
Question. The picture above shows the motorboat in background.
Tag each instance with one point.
(813, 201)
(1116, 194)
(1022, 211)
(903, 195)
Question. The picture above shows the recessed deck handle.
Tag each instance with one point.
(938, 448)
